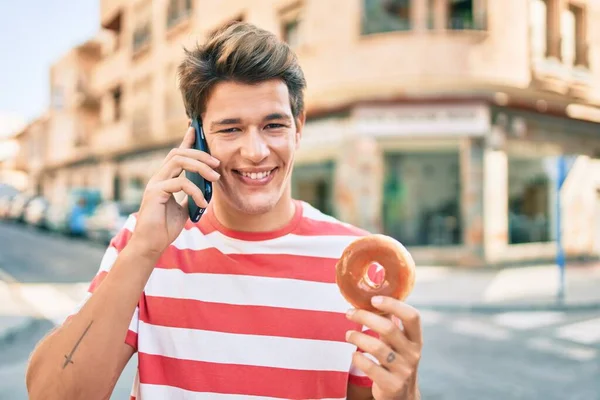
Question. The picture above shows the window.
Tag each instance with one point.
(574, 47)
(290, 33)
(116, 99)
(431, 6)
(559, 33)
(421, 203)
(177, 11)
(532, 198)
(568, 36)
(385, 16)
(291, 24)
(313, 184)
(462, 16)
(538, 15)
(143, 27)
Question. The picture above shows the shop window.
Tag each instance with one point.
(531, 194)
(421, 205)
(462, 15)
(314, 185)
(380, 16)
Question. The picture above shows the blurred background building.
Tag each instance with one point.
(438, 122)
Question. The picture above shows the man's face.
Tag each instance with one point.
(251, 130)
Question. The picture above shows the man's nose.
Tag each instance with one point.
(255, 147)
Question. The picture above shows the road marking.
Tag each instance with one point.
(39, 300)
(50, 302)
(549, 346)
(429, 317)
(516, 283)
(479, 329)
(585, 332)
(528, 320)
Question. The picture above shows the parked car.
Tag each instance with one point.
(108, 219)
(68, 215)
(5, 205)
(56, 217)
(35, 213)
(18, 206)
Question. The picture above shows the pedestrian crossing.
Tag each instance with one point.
(53, 302)
(562, 334)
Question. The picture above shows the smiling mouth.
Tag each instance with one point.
(255, 175)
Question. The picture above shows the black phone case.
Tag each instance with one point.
(205, 186)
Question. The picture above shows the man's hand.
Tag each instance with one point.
(398, 349)
(161, 219)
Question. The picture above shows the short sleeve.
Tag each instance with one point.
(117, 244)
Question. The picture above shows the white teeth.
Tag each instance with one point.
(256, 175)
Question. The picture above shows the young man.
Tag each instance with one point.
(243, 304)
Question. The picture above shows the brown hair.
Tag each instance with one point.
(239, 52)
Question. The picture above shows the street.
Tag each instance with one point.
(509, 355)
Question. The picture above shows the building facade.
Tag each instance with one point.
(438, 122)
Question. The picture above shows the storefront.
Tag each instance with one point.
(458, 183)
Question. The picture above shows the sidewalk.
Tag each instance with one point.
(526, 288)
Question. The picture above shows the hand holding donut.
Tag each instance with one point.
(381, 309)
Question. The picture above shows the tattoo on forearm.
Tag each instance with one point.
(69, 358)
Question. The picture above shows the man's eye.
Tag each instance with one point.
(229, 130)
(275, 126)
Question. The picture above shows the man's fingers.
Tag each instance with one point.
(389, 332)
(179, 163)
(188, 139)
(386, 356)
(175, 185)
(189, 160)
(383, 378)
(410, 317)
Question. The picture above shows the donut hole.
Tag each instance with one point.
(374, 275)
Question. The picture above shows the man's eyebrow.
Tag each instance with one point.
(226, 121)
(275, 116)
(233, 121)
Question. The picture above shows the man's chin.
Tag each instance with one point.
(256, 205)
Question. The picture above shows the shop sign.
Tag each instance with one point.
(430, 120)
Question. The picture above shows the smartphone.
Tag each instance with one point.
(205, 186)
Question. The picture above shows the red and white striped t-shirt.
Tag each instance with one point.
(231, 315)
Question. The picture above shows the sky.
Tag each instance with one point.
(33, 35)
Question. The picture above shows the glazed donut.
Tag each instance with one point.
(358, 256)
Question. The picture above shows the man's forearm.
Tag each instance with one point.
(85, 356)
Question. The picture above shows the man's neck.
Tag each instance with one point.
(275, 219)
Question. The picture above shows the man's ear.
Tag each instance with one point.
(300, 121)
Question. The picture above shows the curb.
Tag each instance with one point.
(518, 307)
